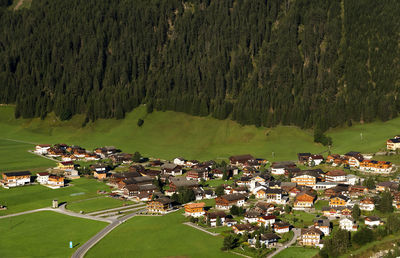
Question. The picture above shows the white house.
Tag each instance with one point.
(319, 186)
(347, 224)
(372, 221)
(367, 205)
(13, 179)
(42, 148)
(267, 221)
(179, 161)
(317, 159)
(393, 144)
(42, 178)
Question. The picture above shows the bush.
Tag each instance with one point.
(140, 122)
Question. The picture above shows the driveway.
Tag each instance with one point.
(296, 235)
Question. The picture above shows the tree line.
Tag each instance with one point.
(318, 63)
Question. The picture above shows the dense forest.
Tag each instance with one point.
(314, 63)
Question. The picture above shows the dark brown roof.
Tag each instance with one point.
(18, 173)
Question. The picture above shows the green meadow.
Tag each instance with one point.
(31, 197)
(44, 234)
(298, 252)
(97, 204)
(158, 236)
(170, 134)
(15, 156)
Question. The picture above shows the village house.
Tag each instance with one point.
(304, 200)
(241, 229)
(137, 190)
(268, 240)
(305, 177)
(372, 221)
(191, 163)
(279, 168)
(227, 201)
(13, 179)
(212, 217)
(244, 181)
(105, 152)
(55, 181)
(217, 173)
(340, 189)
(266, 221)
(387, 186)
(281, 227)
(197, 174)
(358, 190)
(303, 157)
(275, 196)
(139, 180)
(311, 236)
(240, 160)
(195, 209)
(179, 161)
(251, 216)
(315, 160)
(396, 200)
(339, 201)
(324, 225)
(42, 148)
(171, 169)
(321, 186)
(124, 158)
(367, 204)
(378, 167)
(336, 211)
(336, 176)
(260, 192)
(161, 205)
(354, 158)
(181, 182)
(393, 144)
(151, 173)
(332, 157)
(67, 165)
(42, 177)
(348, 224)
(55, 152)
(265, 208)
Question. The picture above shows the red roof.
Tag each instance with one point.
(43, 174)
(67, 163)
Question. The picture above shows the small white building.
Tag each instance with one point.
(42, 178)
(347, 224)
(367, 205)
(179, 161)
(372, 221)
(42, 148)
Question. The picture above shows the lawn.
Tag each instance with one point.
(37, 196)
(15, 156)
(321, 203)
(45, 234)
(299, 219)
(163, 236)
(297, 252)
(97, 204)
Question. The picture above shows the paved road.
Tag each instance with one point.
(200, 228)
(280, 249)
(42, 156)
(61, 210)
(80, 253)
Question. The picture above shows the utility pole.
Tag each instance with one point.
(361, 136)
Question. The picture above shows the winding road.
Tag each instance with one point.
(80, 253)
(296, 235)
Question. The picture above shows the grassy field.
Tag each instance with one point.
(15, 156)
(321, 203)
(96, 204)
(297, 252)
(164, 236)
(45, 234)
(170, 134)
(37, 196)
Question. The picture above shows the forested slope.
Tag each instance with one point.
(307, 63)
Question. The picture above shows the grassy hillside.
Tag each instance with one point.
(170, 134)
